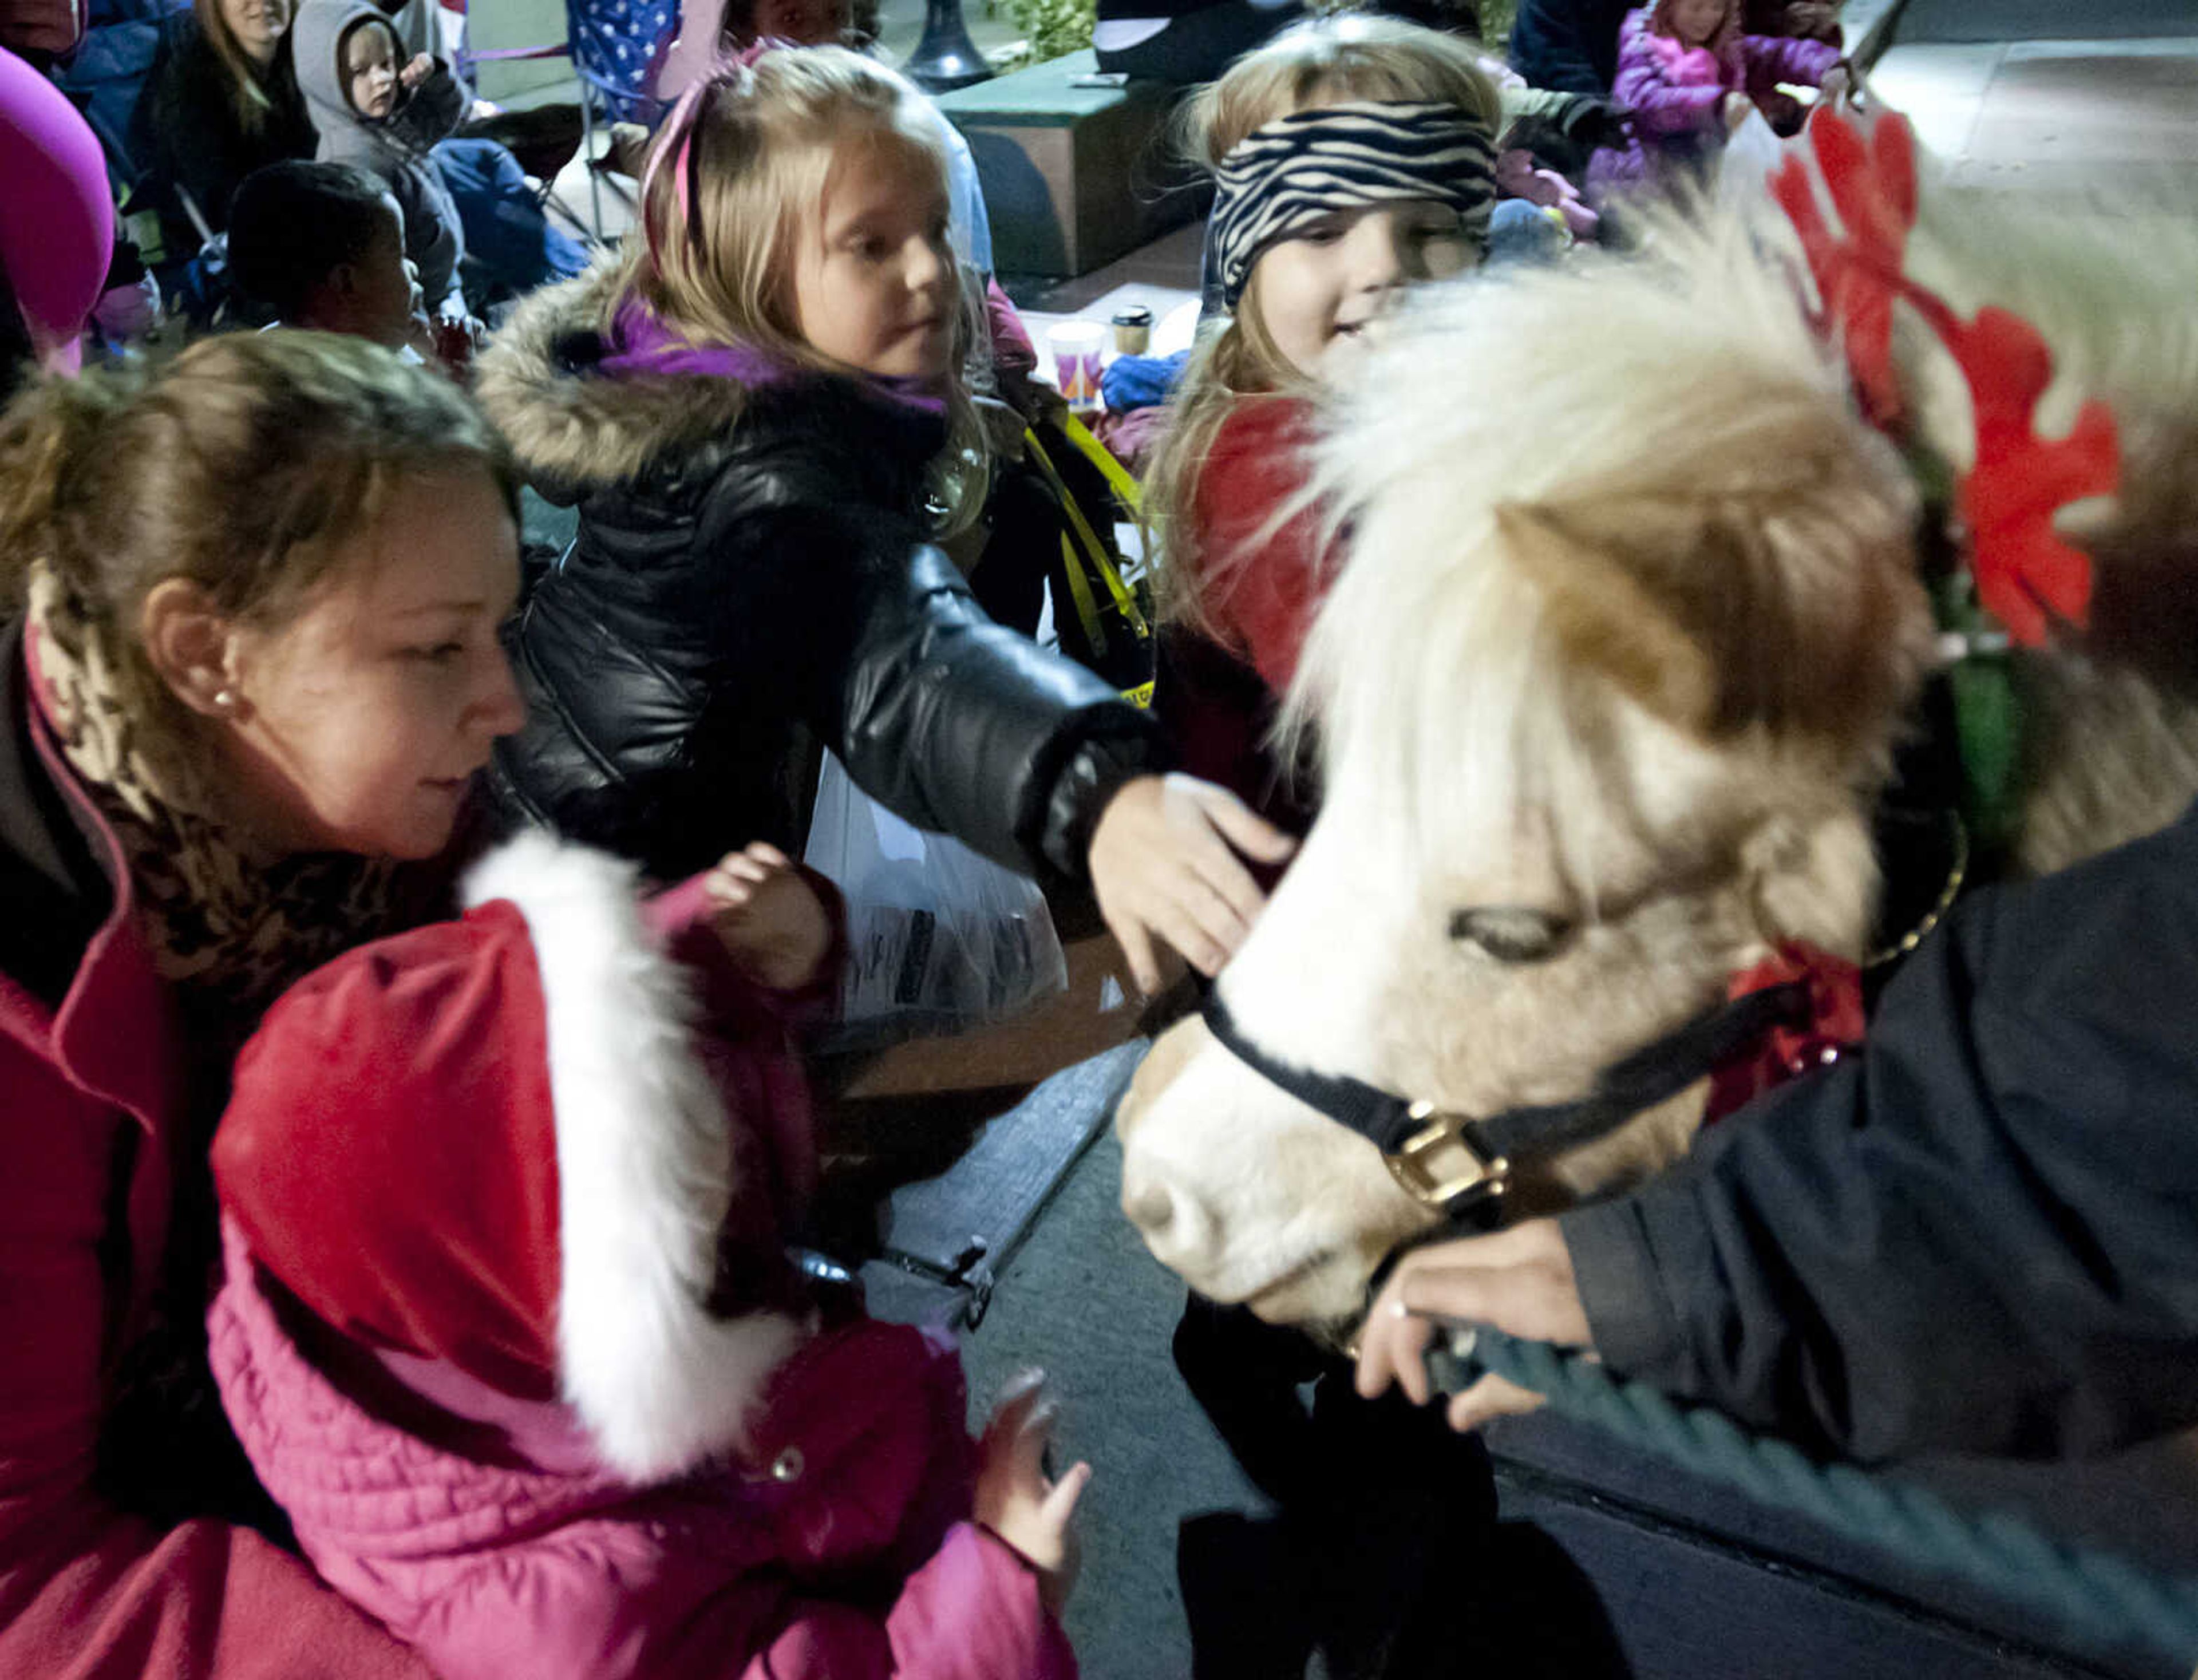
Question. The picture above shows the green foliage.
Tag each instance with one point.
(1492, 18)
(1052, 28)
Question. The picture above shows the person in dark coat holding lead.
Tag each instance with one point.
(1979, 1232)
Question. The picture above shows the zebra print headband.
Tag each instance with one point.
(1300, 168)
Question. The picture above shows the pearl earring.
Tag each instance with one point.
(225, 699)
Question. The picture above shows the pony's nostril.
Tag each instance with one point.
(1150, 1209)
(1176, 1226)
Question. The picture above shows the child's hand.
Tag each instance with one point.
(774, 925)
(1164, 863)
(1519, 1280)
(1016, 1500)
(452, 339)
(420, 68)
(458, 327)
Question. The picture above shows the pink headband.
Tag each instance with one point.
(675, 141)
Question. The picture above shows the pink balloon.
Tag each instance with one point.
(56, 216)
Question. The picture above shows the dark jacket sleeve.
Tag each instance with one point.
(1772, 59)
(953, 722)
(185, 134)
(1978, 1233)
(433, 113)
(1570, 45)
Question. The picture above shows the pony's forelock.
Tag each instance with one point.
(1432, 671)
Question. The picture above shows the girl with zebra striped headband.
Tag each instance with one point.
(1353, 156)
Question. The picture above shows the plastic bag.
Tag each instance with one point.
(938, 939)
(1751, 153)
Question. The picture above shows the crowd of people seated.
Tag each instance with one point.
(278, 734)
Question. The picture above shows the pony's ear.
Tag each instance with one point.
(1608, 613)
(1719, 612)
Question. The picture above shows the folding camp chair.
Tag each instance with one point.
(613, 47)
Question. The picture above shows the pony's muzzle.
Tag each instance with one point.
(1176, 1226)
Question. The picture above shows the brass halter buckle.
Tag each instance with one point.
(1424, 1165)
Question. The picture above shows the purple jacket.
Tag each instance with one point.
(1674, 96)
(487, 1533)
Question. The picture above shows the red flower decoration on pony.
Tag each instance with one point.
(2024, 570)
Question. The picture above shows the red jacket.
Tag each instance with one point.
(1219, 699)
(1273, 583)
(89, 1125)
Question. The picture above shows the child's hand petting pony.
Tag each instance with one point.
(774, 925)
(1028, 1509)
(1165, 866)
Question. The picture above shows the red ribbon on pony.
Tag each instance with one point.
(1834, 1025)
(2024, 569)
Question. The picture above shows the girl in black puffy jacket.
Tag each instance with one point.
(751, 412)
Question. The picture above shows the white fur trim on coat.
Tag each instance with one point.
(643, 1172)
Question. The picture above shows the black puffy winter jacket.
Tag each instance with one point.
(750, 561)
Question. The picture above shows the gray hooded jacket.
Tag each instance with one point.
(395, 149)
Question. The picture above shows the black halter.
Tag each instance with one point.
(1417, 1139)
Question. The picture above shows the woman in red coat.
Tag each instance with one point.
(248, 664)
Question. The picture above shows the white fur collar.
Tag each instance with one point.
(644, 1169)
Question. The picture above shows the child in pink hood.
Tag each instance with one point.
(1687, 75)
(508, 1331)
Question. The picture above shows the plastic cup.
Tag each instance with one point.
(1077, 347)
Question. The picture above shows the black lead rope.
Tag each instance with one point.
(1650, 1075)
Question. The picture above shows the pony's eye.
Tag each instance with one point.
(1510, 933)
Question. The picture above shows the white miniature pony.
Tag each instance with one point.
(1608, 686)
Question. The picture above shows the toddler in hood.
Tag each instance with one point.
(378, 111)
(508, 1331)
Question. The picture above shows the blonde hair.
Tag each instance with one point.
(245, 92)
(1327, 62)
(766, 141)
(245, 466)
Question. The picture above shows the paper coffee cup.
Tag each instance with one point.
(1133, 330)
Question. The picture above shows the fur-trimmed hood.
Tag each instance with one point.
(569, 426)
(494, 1143)
(575, 426)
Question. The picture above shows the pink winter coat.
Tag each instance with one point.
(488, 1535)
(1674, 96)
(507, 1330)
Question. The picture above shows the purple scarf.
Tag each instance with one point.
(642, 345)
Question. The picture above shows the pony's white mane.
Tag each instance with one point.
(1691, 379)
(1692, 376)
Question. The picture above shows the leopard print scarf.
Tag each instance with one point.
(231, 934)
